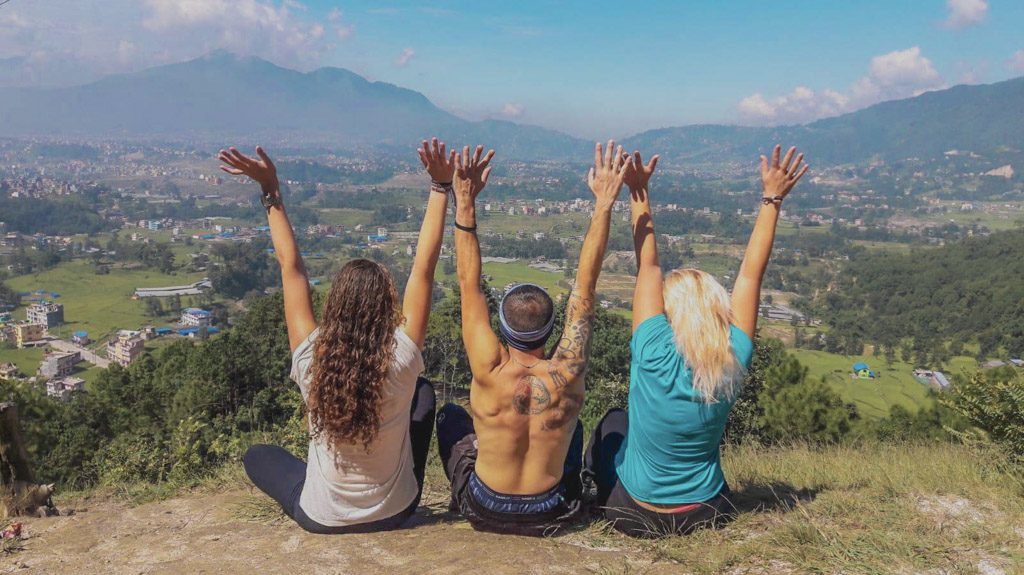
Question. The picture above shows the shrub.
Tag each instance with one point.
(994, 403)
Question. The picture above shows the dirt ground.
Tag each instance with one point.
(212, 533)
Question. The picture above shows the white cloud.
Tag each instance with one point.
(895, 75)
(243, 26)
(343, 31)
(1017, 61)
(965, 13)
(511, 110)
(405, 57)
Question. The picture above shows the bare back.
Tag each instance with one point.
(524, 417)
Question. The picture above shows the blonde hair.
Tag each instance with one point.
(699, 311)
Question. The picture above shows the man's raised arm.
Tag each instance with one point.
(569, 360)
(778, 178)
(482, 346)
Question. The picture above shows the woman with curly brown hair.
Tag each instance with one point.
(370, 414)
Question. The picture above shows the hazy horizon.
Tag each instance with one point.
(563, 67)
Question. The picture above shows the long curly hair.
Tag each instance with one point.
(353, 354)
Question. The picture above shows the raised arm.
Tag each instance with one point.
(605, 179)
(298, 304)
(418, 291)
(648, 299)
(482, 345)
(778, 178)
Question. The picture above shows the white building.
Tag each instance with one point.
(62, 387)
(193, 317)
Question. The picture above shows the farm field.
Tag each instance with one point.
(27, 360)
(518, 272)
(98, 304)
(895, 384)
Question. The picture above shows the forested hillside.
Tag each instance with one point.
(969, 291)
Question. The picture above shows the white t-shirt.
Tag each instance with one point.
(359, 486)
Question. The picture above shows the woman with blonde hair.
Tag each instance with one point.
(658, 471)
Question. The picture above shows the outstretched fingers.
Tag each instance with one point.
(487, 159)
(608, 154)
(793, 170)
(653, 163)
(789, 158)
(618, 160)
(800, 174)
(265, 157)
(240, 158)
(776, 153)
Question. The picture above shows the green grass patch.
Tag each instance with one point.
(894, 384)
(27, 359)
(98, 304)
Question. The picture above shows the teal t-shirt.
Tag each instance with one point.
(671, 455)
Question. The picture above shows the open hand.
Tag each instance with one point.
(262, 170)
(638, 175)
(606, 177)
(440, 166)
(471, 173)
(780, 177)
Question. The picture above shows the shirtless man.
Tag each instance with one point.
(515, 464)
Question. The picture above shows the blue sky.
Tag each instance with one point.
(590, 68)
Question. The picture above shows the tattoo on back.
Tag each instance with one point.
(531, 396)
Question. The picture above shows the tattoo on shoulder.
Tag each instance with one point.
(573, 349)
(531, 396)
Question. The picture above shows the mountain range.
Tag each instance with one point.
(223, 97)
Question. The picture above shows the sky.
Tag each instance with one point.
(589, 68)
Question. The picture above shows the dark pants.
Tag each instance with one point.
(281, 475)
(541, 514)
(621, 509)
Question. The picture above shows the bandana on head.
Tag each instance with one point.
(523, 340)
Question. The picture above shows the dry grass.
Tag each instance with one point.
(866, 509)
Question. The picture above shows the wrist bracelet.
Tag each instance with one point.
(469, 229)
(442, 188)
(776, 200)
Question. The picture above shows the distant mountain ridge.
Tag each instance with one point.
(223, 97)
(981, 118)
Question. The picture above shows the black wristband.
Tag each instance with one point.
(459, 226)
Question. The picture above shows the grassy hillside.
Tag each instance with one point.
(895, 384)
(855, 510)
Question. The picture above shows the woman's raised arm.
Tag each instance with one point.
(419, 289)
(298, 304)
(648, 299)
(778, 179)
